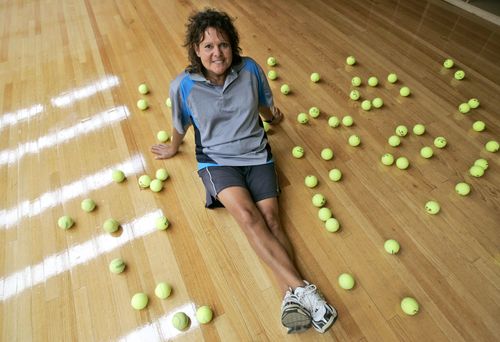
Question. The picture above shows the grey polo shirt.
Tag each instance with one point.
(227, 126)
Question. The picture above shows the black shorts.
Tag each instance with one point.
(260, 180)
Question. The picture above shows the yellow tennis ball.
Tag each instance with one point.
(163, 290)
(142, 104)
(204, 314)
(448, 63)
(372, 81)
(144, 181)
(335, 175)
(318, 200)
(356, 81)
(272, 61)
(324, 214)
(139, 301)
(351, 60)
(117, 266)
(161, 174)
(168, 102)
(354, 140)
(327, 153)
(111, 225)
(118, 176)
(180, 321)
(332, 225)
(298, 152)
(387, 159)
(302, 118)
(377, 102)
(87, 205)
(392, 78)
(156, 185)
(272, 74)
(347, 121)
(492, 146)
(314, 112)
(366, 105)
(315, 77)
(266, 126)
(404, 91)
(426, 152)
(394, 140)
(333, 121)
(478, 126)
(285, 89)
(432, 207)
(311, 181)
(409, 306)
(65, 222)
(419, 129)
(162, 136)
(440, 142)
(402, 163)
(391, 246)
(162, 223)
(143, 88)
(346, 281)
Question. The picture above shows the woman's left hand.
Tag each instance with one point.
(277, 115)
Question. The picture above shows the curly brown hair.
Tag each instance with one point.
(197, 24)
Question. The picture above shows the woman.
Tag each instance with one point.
(221, 95)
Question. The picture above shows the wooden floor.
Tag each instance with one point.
(69, 75)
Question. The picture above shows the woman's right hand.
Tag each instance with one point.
(163, 151)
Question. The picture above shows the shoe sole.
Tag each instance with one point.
(296, 321)
(328, 325)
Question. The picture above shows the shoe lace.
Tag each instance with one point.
(310, 297)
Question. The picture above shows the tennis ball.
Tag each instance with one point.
(162, 223)
(366, 105)
(143, 88)
(117, 266)
(168, 102)
(161, 174)
(391, 246)
(118, 176)
(432, 207)
(409, 306)
(272, 74)
(459, 75)
(350, 60)
(266, 126)
(285, 89)
(426, 152)
(354, 140)
(347, 121)
(476, 171)
(464, 108)
(324, 214)
(180, 321)
(402, 163)
(377, 102)
(298, 152)
(473, 103)
(139, 301)
(401, 130)
(65, 222)
(88, 205)
(440, 142)
(479, 126)
(372, 81)
(163, 290)
(315, 77)
(318, 200)
(332, 225)
(394, 141)
(271, 61)
(333, 121)
(144, 181)
(314, 112)
(156, 185)
(392, 78)
(327, 153)
(335, 175)
(162, 136)
(462, 188)
(419, 129)
(302, 118)
(354, 95)
(204, 314)
(111, 225)
(404, 91)
(482, 163)
(356, 81)
(346, 281)
(491, 146)
(142, 104)
(448, 63)
(311, 181)
(387, 159)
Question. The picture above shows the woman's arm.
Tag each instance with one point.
(165, 151)
(272, 115)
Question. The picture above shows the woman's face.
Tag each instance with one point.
(215, 52)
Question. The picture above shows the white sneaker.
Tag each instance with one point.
(293, 315)
(323, 314)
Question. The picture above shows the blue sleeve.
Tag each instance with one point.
(264, 91)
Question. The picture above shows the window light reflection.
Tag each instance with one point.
(162, 329)
(50, 199)
(53, 265)
(93, 123)
(67, 98)
(22, 114)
